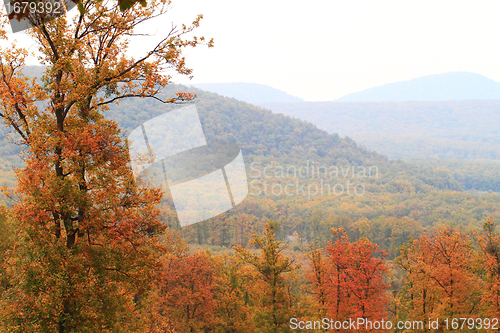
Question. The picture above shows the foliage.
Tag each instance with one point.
(275, 303)
(443, 276)
(89, 234)
(7, 243)
(349, 281)
(489, 243)
(403, 200)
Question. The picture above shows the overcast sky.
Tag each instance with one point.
(324, 49)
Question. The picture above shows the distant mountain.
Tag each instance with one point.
(399, 190)
(34, 71)
(451, 129)
(438, 87)
(248, 92)
(266, 137)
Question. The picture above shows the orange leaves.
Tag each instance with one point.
(91, 233)
(185, 96)
(489, 243)
(349, 281)
(182, 97)
(198, 292)
(188, 283)
(442, 275)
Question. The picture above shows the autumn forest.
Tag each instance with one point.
(331, 236)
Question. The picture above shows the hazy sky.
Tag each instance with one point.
(325, 49)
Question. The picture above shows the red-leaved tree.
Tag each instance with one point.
(349, 281)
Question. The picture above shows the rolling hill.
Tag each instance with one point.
(270, 137)
(451, 129)
(264, 136)
(248, 92)
(451, 86)
(398, 192)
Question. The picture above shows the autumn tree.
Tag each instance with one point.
(89, 231)
(349, 281)
(317, 277)
(7, 242)
(234, 304)
(197, 292)
(275, 304)
(489, 242)
(442, 279)
(188, 288)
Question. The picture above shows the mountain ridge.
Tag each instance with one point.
(248, 92)
(436, 87)
(439, 129)
(268, 137)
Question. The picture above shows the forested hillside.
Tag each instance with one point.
(348, 207)
(248, 92)
(275, 138)
(401, 191)
(452, 129)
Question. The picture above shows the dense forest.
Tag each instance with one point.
(332, 235)
(474, 175)
(446, 130)
(426, 192)
(403, 201)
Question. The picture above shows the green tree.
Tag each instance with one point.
(271, 267)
